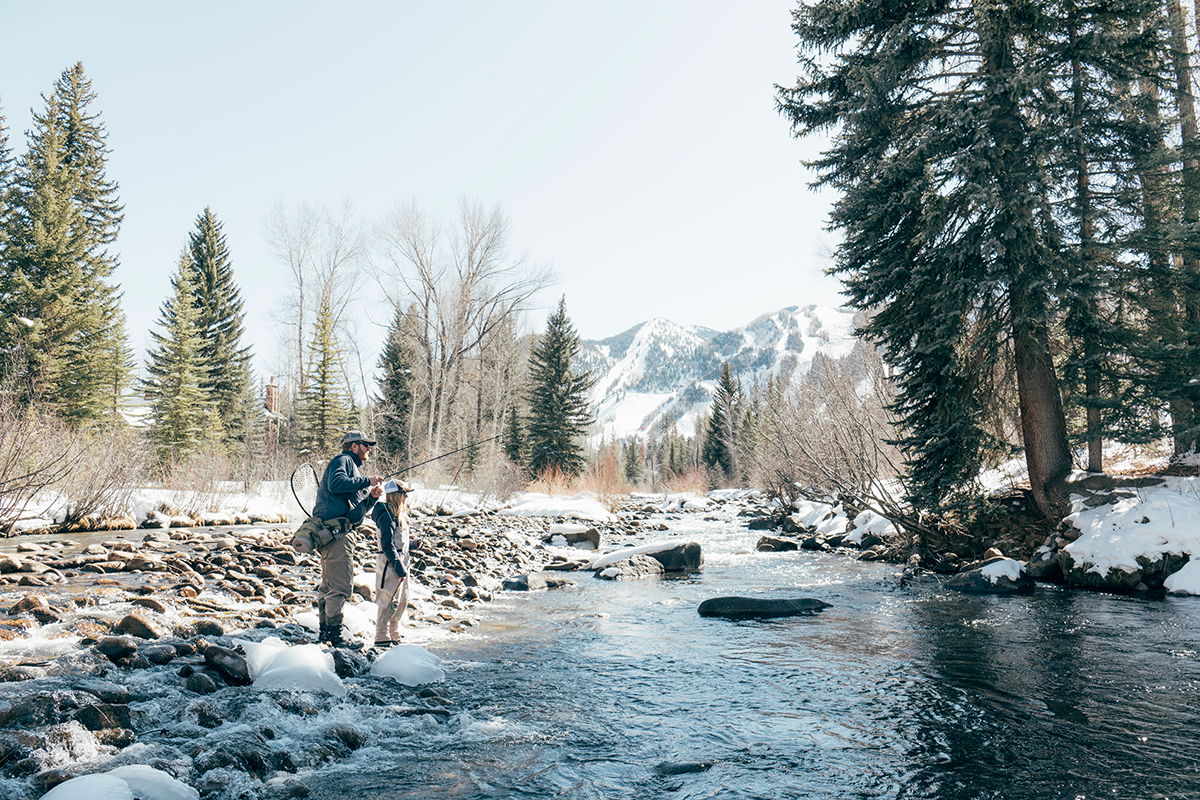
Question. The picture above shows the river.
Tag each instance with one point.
(619, 689)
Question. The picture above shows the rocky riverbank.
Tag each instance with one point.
(125, 650)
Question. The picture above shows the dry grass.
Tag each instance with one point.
(553, 482)
(693, 481)
(605, 478)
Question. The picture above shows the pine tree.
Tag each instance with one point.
(62, 327)
(119, 371)
(950, 178)
(633, 461)
(220, 321)
(99, 355)
(43, 288)
(720, 448)
(179, 405)
(325, 408)
(559, 414)
(394, 404)
(514, 439)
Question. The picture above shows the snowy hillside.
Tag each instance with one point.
(658, 368)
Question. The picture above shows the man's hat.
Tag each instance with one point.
(356, 436)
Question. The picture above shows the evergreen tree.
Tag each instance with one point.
(179, 407)
(633, 461)
(514, 439)
(62, 327)
(559, 414)
(720, 448)
(43, 288)
(394, 404)
(325, 407)
(220, 321)
(100, 354)
(120, 376)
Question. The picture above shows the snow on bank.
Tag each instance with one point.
(581, 506)
(1153, 522)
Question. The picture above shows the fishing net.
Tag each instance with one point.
(304, 487)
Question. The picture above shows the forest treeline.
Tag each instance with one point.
(456, 372)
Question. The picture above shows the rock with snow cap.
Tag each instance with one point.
(996, 576)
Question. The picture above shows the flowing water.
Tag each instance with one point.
(620, 689)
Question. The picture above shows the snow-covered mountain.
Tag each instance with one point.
(658, 368)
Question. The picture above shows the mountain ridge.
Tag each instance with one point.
(658, 369)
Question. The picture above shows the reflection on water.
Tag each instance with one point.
(609, 690)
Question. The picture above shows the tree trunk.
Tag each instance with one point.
(1043, 424)
(1184, 410)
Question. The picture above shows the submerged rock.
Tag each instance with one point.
(682, 767)
(536, 581)
(741, 607)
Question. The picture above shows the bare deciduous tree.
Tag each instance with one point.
(324, 251)
(462, 297)
(826, 435)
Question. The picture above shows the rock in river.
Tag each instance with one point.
(737, 607)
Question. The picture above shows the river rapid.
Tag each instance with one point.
(619, 689)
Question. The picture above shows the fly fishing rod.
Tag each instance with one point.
(304, 480)
(443, 455)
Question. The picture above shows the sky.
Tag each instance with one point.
(635, 147)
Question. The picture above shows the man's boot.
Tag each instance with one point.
(331, 634)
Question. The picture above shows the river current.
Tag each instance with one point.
(620, 689)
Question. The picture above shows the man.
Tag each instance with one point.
(344, 497)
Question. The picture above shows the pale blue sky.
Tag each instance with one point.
(634, 145)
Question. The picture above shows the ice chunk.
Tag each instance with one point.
(304, 668)
(410, 665)
(92, 787)
(359, 618)
(148, 783)
(259, 655)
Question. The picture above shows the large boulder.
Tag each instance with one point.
(583, 537)
(773, 544)
(751, 607)
(1045, 567)
(1151, 572)
(997, 576)
(636, 566)
(231, 665)
(680, 557)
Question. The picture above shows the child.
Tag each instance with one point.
(392, 563)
